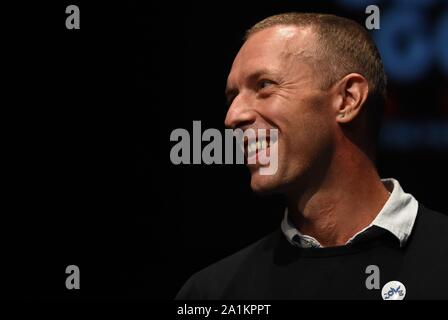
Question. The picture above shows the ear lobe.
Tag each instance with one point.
(354, 90)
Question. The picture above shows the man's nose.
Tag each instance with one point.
(239, 115)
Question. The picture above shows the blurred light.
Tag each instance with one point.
(360, 4)
(414, 134)
(404, 45)
(357, 4)
(409, 40)
(417, 3)
(442, 42)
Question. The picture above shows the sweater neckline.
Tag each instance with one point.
(380, 239)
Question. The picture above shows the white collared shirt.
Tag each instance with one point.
(397, 216)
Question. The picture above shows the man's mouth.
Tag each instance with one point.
(253, 149)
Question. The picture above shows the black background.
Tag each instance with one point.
(89, 112)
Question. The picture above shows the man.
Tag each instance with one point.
(319, 80)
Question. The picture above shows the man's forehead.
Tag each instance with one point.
(270, 48)
(277, 39)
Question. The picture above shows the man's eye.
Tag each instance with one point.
(264, 83)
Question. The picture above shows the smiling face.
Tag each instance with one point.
(273, 85)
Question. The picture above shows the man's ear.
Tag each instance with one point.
(352, 90)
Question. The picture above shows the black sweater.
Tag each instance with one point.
(272, 268)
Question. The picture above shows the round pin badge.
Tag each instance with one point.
(393, 290)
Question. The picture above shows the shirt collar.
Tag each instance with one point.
(397, 216)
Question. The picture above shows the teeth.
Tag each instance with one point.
(264, 144)
(259, 145)
(252, 147)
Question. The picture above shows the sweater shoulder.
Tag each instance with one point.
(431, 230)
(210, 282)
(433, 222)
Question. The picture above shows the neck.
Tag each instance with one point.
(344, 201)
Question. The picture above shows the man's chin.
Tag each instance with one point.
(264, 184)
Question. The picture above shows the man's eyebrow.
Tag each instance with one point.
(231, 93)
(261, 72)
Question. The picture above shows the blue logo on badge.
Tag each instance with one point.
(393, 290)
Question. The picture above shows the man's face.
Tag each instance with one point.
(273, 85)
